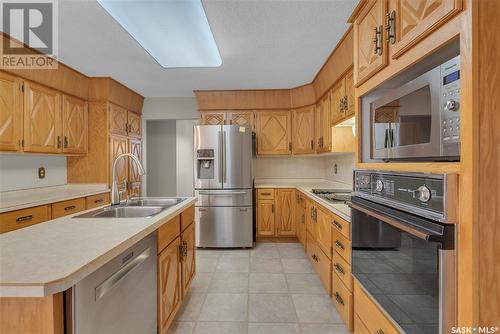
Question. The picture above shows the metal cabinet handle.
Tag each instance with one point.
(390, 27)
(66, 141)
(339, 299)
(100, 200)
(71, 207)
(315, 258)
(58, 141)
(339, 268)
(379, 331)
(337, 225)
(108, 284)
(265, 194)
(339, 245)
(377, 40)
(312, 144)
(24, 218)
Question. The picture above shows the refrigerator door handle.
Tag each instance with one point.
(224, 177)
(227, 193)
(221, 161)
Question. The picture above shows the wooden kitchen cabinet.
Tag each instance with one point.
(69, 207)
(241, 118)
(119, 145)
(323, 125)
(370, 49)
(118, 120)
(13, 220)
(303, 130)
(11, 113)
(169, 284)
(97, 200)
(337, 101)
(273, 132)
(285, 209)
(265, 217)
(323, 230)
(342, 298)
(320, 262)
(188, 262)
(411, 21)
(42, 119)
(213, 118)
(134, 125)
(349, 94)
(74, 125)
(134, 178)
(300, 217)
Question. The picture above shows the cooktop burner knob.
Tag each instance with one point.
(379, 185)
(424, 194)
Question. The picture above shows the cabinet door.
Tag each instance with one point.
(323, 231)
(310, 209)
(188, 258)
(265, 217)
(169, 285)
(134, 125)
(367, 59)
(134, 179)
(416, 19)
(213, 118)
(300, 217)
(303, 130)
(42, 119)
(349, 93)
(274, 132)
(11, 113)
(75, 125)
(337, 102)
(118, 120)
(117, 146)
(285, 207)
(323, 125)
(242, 118)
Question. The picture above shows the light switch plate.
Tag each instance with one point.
(41, 172)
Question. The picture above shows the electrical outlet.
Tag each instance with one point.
(41, 172)
(335, 169)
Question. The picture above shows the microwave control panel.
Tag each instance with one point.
(450, 101)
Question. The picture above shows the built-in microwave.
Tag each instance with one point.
(419, 120)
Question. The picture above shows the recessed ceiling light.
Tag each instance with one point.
(175, 33)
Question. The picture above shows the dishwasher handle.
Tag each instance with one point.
(115, 278)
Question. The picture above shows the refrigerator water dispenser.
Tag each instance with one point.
(205, 165)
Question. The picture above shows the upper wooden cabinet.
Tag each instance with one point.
(349, 93)
(342, 99)
(42, 119)
(75, 125)
(118, 120)
(241, 118)
(11, 113)
(274, 132)
(134, 125)
(411, 20)
(303, 130)
(118, 145)
(323, 125)
(213, 118)
(285, 215)
(370, 51)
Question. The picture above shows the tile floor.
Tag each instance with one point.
(270, 289)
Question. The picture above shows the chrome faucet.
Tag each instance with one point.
(115, 193)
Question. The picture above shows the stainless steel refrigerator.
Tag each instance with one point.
(223, 182)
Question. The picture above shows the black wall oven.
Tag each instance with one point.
(403, 247)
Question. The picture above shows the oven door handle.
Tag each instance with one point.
(419, 233)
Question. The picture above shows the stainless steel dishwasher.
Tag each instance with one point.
(119, 297)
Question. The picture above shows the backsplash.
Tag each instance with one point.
(21, 171)
(313, 167)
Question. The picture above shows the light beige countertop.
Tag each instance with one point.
(20, 199)
(306, 185)
(50, 257)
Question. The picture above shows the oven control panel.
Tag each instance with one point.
(450, 101)
(417, 193)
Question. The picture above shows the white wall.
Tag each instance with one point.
(170, 108)
(161, 158)
(345, 166)
(21, 171)
(184, 160)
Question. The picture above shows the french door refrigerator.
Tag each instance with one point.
(223, 182)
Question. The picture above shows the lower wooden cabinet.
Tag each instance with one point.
(300, 217)
(320, 262)
(265, 217)
(67, 208)
(169, 285)
(276, 213)
(176, 267)
(359, 326)
(97, 200)
(285, 207)
(343, 300)
(13, 220)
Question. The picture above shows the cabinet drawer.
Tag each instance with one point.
(359, 326)
(342, 299)
(342, 245)
(342, 226)
(168, 232)
(320, 262)
(10, 221)
(266, 193)
(369, 313)
(187, 217)
(342, 269)
(96, 200)
(65, 208)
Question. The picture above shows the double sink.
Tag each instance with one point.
(136, 207)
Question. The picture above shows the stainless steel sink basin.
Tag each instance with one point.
(124, 212)
(154, 201)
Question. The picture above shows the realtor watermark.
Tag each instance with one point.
(30, 39)
(475, 330)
